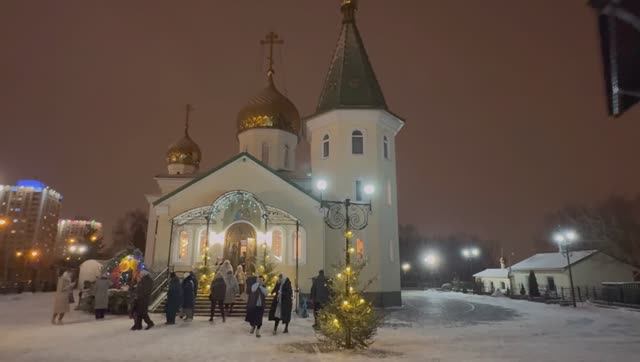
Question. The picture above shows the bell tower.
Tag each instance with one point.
(352, 136)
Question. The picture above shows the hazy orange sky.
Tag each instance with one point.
(504, 102)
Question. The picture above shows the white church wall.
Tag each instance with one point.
(252, 141)
(244, 174)
(341, 170)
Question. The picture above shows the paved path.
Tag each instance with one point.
(423, 308)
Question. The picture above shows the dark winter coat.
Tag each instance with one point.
(218, 289)
(320, 290)
(194, 278)
(188, 297)
(250, 282)
(254, 312)
(143, 294)
(174, 296)
(286, 300)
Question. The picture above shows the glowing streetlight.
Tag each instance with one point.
(4, 222)
(369, 189)
(564, 238)
(321, 185)
(432, 260)
(34, 254)
(18, 254)
(73, 248)
(82, 249)
(406, 267)
(71, 241)
(94, 238)
(470, 254)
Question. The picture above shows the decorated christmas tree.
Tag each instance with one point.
(349, 320)
(267, 268)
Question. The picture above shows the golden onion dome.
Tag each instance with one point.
(185, 151)
(269, 109)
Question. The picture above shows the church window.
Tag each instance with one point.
(389, 193)
(360, 248)
(183, 246)
(325, 146)
(385, 147)
(357, 142)
(265, 153)
(359, 190)
(276, 244)
(286, 157)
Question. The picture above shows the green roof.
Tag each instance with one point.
(222, 165)
(351, 81)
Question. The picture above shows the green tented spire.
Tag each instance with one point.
(351, 81)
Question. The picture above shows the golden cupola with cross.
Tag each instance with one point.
(184, 155)
(269, 125)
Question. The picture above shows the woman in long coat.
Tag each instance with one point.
(255, 305)
(188, 297)
(241, 277)
(218, 294)
(61, 299)
(231, 291)
(174, 298)
(282, 304)
(101, 296)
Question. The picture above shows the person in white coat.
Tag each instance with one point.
(61, 297)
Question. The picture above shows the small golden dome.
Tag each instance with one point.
(269, 109)
(185, 151)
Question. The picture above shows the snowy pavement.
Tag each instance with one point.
(432, 326)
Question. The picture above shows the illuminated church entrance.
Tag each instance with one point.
(240, 245)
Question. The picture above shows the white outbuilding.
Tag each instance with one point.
(590, 268)
(494, 279)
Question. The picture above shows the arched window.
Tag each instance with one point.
(357, 142)
(325, 146)
(360, 248)
(286, 157)
(265, 153)
(276, 244)
(385, 147)
(183, 246)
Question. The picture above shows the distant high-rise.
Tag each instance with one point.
(71, 232)
(31, 210)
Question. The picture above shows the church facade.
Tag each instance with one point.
(267, 201)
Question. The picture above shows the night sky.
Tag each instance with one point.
(504, 104)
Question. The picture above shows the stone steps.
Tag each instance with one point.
(203, 305)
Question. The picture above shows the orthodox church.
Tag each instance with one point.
(282, 197)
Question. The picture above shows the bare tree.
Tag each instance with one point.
(611, 226)
(131, 231)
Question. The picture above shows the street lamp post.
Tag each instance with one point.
(470, 254)
(564, 238)
(350, 216)
(432, 261)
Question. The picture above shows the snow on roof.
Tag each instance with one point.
(493, 273)
(552, 260)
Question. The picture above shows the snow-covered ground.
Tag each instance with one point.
(432, 326)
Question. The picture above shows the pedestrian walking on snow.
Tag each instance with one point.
(101, 295)
(174, 298)
(255, 305)
(231, 291)
(188, 297)
(143, 290)
(282, 304)
(61, 298)
(217, 296)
